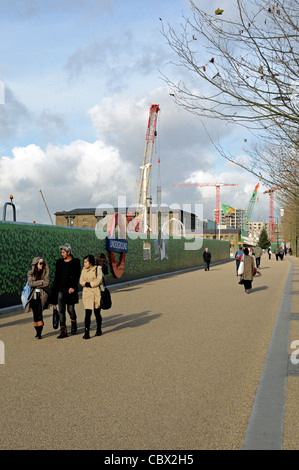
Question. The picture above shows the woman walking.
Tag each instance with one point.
(38, 280)
(247, 276)
(91, 280)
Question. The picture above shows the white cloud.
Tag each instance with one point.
(80, 174)
(32, 8)
(86, 174)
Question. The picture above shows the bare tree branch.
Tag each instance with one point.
(244, 70)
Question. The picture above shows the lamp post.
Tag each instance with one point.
(276, 218)
(284, 243)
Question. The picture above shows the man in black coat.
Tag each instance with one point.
(65, 288)
(207, 259)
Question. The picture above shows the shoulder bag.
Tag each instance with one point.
(241, 268)
(106, 302)
(25, 293)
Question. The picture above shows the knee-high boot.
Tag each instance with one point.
(98, 316)
(39, 330)
(73, 327)
(87, 323)
(86, 334)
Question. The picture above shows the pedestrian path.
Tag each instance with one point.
(179, 366)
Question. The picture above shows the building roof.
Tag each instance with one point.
(93, 210)
(212, 231)
(83, 211)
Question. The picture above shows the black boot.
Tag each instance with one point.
(38, 332)
(98, 316)
(74, 327)
(63, 333)
(86, 334)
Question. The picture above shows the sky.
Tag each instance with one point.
(79, 80)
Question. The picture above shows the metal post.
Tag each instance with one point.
(13, 208)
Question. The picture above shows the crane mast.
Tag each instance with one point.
(271, 212)
(46, 206)
(141, 210)
(244, 231)
(217, 185)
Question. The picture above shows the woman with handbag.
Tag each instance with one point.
(247, 276)
(38, 280)
(91, 280)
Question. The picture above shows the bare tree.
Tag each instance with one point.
(290, 220)
(246, 73)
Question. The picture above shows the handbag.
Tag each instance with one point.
(254, 270)
(55, 318)
(25, 294)
(241, 268)
(106, 301)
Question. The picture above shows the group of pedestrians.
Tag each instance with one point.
(279, 253)
(65, 290)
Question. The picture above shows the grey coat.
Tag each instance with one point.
(41, 284)
(258, 252)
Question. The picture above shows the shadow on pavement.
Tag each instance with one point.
(259, 288)
(117, 322)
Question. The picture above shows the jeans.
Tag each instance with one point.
(62, 304)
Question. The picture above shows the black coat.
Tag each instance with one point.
(73, 280)
(206, 256)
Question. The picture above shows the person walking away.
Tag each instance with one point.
(207, 259)
(102, 261)
(269, 252)
(281, 253)
(238, 257)
(247, 276)
(91, 279)
(258, 252)
(38, 280)
(65, 288)
(276, 252)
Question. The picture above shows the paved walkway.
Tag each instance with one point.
(185, 362)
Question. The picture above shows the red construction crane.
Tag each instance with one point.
(141, 223)
(271, 211)
(217, 194)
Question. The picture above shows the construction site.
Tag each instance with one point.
(147, 214)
